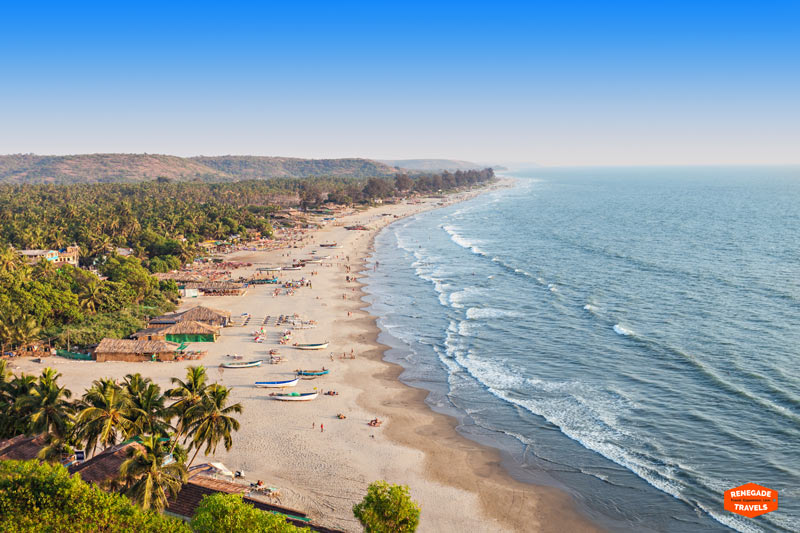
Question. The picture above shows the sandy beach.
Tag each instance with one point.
(322, 464)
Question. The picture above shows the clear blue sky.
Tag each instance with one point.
(551, 82)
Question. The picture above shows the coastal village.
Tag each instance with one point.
(281, 322)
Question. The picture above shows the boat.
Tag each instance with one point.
(295, 396)
(315, 261)
(328, 245)
(313, 372)
(243, 364)
(277, 384)
(317, 346)
(291, 268)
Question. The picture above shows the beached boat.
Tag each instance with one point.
(317, 346)
(277, 384)
(295, 396)
(243, 364)
(328, 245)
(291, 268)
(312, 261)
(313, 372)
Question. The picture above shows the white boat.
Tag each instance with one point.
(312, 261)
(295, 396)
(243, 364)
(291, 268)
(277, 384)
(318, 346)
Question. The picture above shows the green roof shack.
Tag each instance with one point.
(181, 332)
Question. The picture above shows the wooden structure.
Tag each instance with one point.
(185, 331)
(198, 487)
(135, 350)
(218, 288)
(204, 315)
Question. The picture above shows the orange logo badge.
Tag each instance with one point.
(751, 500)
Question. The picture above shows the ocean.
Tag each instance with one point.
(630, 335)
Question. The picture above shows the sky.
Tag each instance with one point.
(552, 83)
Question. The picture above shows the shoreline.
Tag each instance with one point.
(517, 505)
(459, 484)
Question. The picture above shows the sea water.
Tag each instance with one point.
(629, 335)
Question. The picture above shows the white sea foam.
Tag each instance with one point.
(478, 313)
(619, 329)
(462, 241)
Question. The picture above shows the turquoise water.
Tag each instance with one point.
(630, 335)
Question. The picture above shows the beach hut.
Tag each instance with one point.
(135, 350)
(190, 331)
(202, 314)
(103, 468)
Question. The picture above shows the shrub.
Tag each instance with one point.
(228, 513)
(387, 509)
(43, 497)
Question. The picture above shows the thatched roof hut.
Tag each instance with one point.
(205, 315)
(135, 350)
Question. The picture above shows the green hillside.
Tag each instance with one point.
(132, 168)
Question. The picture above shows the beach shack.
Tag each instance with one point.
(184, 331)
(134, 350)
(103, 468)
(202, 314)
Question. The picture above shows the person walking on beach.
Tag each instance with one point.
(322, 428)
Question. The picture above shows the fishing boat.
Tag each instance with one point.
(242, 364)
(291, 268)
(313, 372)
(295, 396)
(317, 346)
(312, 261)
(277, 384)
(328, 245)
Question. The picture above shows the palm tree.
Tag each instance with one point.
(148, 412)
(49, 406)
(105, 415)
(188, 393)
(151, 478)
(9, 259)
(26, 330)
(16, 417)
(90, 297)
(211, 420)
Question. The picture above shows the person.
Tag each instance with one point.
(321, 428)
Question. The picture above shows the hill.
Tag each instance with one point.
(432, 165)
(131, 168)
(256, 167)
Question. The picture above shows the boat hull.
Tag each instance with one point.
(250, 364)
(298, 398)
(277, 384)
(312, 346)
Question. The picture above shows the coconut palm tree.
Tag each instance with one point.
(26, 330)
(49, 406)
(188, 394)
(151, 475)
(212, 421)
(148, 411)
(105, 416)
(16, 417)
(91, 296)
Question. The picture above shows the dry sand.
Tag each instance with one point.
(459, 484)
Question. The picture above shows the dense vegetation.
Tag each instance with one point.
(44, 497)
(387, 509)
(132, 168)
(162, 221)
(229, 513)
(194, 414)
(74, 306)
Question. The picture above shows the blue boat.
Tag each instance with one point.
(312, 372)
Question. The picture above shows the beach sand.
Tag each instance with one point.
(459, 484)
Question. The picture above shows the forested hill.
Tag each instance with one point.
(432, 165)
(255, 167)
(131, 168)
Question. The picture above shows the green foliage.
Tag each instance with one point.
(387, 509)
(70, 305)
(42, 497)
(228, 513)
